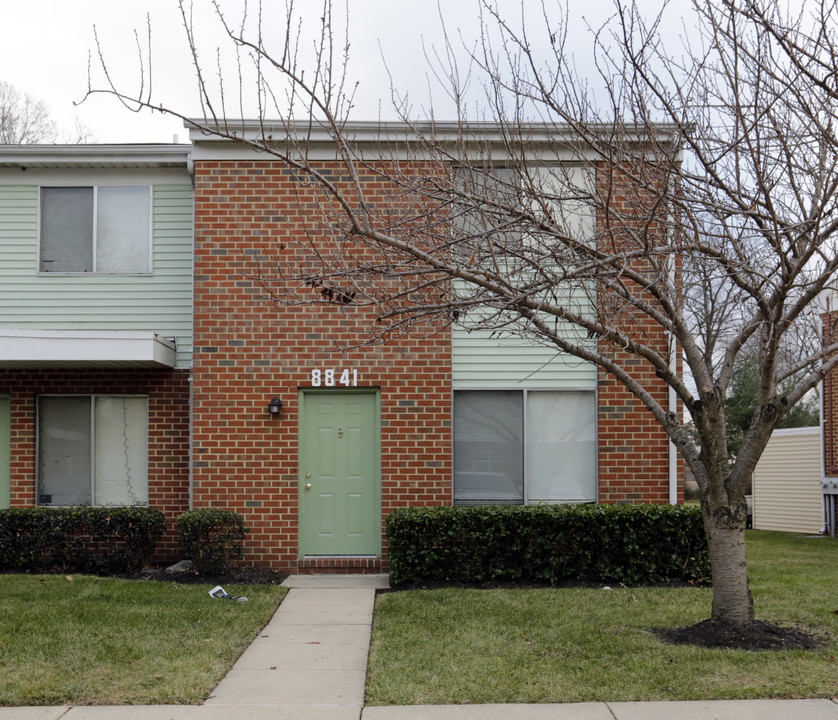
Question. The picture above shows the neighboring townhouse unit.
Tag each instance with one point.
(95, 326)
(829, 423)
(291, 418)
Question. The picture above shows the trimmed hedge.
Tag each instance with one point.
(79, 539)
(628, 544)
(211, 538)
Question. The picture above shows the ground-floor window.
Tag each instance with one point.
(524, 446)
(92, 450)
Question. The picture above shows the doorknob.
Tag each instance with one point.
(308, 486)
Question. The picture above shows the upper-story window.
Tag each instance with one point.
(96, 229)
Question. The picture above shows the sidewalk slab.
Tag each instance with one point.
(204, 712)
(564, 711)
(312, 652)
(693, 710)
(329, 596)
(316, 655)
(329, 606)
(33, 713)
(727, 710)
(315, 633)
(376, 582)
(290, 687)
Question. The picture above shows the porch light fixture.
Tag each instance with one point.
(275, 406)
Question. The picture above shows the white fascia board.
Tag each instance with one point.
(85, 348)
(230, 139)
(96, 156)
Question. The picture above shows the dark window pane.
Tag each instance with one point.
(488, 448)
(67, 229)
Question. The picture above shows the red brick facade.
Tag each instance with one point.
(168, 432)
(248, 350)
(830, 400)
(633, 451)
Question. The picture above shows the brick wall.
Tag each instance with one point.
(258, 232)
(633, 447)
(168, 409)
(830, 399)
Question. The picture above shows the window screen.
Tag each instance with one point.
(92, 450)
(64, 443)
(95, 229)
(561, 453)
(512, 447)
(122, 222)
(67, 229)
(488, 448)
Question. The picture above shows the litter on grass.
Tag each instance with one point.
(219, 593)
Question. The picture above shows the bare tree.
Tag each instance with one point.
(711, 174)
(23, 119)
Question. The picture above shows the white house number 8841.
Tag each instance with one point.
(332, 378)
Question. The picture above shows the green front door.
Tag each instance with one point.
(339, 469)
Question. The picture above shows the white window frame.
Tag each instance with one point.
(148, 270)
(563, 175)
(92, 449)
(524, 430)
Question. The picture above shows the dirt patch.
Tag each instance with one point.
(755, 636)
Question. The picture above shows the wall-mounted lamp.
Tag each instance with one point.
(275, 406)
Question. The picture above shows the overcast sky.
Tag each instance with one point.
(46, 45)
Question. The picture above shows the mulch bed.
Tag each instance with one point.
(757, 635)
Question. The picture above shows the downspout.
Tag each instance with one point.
(190, 168)
(822, 389)
(191, 443)
(673, 408)
(672, 396)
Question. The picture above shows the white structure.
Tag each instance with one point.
(787, 482)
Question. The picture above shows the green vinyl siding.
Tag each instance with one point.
(481, 361)
(160, 302)
(488, 359)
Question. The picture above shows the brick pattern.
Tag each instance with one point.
(829, 422)
(168, 408)
(252, 219)
(633, 451)
(633, 448)
(829, 323)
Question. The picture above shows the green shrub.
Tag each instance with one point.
(211, 538)
(628, 544)
(79, 539)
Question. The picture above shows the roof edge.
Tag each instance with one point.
(104, 155)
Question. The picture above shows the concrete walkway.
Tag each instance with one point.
(310, 663)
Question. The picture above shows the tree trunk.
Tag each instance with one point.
(732, 601)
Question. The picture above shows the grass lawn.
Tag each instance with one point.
(577, 644)
(95, 641)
